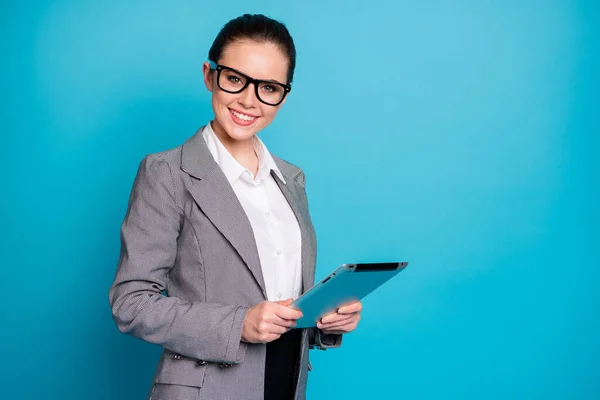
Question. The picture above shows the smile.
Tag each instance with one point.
(243, 117)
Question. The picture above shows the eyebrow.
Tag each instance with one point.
(256, 79)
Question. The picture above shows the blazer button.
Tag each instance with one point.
(201, 362)
(225, 365)
(177, 356)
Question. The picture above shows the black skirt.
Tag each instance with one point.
(281, 366)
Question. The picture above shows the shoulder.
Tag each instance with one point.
(170, 156)
(161, 164)
(160, 170)
(157, 176)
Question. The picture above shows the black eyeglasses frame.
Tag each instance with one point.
(218, 67)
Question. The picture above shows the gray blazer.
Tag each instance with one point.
(189, 271)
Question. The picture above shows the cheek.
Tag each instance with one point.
(221, 99)
(268, 112)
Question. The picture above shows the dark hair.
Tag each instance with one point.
(255, 27)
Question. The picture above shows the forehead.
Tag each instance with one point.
(260, 60)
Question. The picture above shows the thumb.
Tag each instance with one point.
(286, 302)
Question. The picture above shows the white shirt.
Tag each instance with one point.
(273, 222)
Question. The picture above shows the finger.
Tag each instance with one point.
(355, 307)
(287, 323)
(345, 328)
(286, 302)
(273, 318)
(352, 320)
(284, 312)
(336, 318)
(329, 327)
(267, 327)
(341, 328)
(277, 329)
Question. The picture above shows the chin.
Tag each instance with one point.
(238, 133)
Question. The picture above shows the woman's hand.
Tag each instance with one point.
(343, 321)
(269, 320)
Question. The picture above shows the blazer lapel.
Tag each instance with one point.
(216, 198)
(293, 191)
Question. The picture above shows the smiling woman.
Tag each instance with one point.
(221, 226)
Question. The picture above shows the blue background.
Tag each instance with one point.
(459, 136)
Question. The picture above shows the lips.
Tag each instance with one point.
(242, 119)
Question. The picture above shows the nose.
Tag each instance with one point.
(248, 97)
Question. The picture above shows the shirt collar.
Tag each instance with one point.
(232, 169)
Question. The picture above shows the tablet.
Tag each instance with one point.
(348, 283)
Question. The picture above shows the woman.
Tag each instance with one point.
(217, 240)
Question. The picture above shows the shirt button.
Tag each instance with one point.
(267, 214)
(279, 295)
(278, 252)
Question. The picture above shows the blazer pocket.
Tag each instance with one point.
(176, 369)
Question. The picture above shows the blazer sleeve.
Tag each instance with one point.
(322, 341)
(204, 331)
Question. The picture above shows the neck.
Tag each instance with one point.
(241, 150)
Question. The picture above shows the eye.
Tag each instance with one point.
(233, 79)
(271, 88)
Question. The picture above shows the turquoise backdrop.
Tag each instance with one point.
(461, 136)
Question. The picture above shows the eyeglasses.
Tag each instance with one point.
(233, 81)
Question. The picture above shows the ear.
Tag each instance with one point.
(208, 76)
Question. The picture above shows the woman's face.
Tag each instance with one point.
(259, 60)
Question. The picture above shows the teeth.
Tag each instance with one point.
(243, 117)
